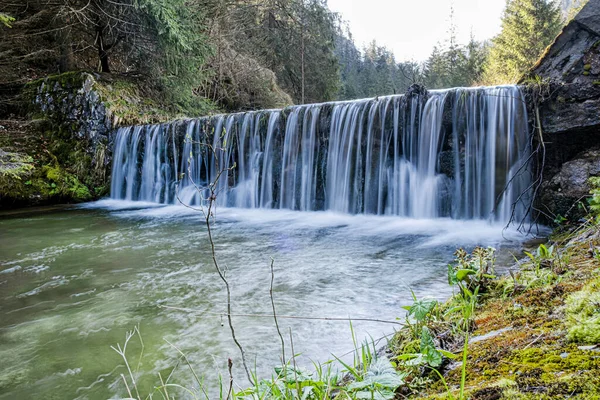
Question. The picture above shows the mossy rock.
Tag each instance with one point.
(40, 165)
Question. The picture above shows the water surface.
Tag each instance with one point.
(74, 281)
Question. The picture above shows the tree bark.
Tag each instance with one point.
(102, 50)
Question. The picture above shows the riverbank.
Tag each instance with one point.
(535, 333)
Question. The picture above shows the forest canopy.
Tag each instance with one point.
(247, 54)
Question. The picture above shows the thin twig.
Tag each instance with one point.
(190, 366)
(229, 369)
(164, 387)
(294, 363)
(127, 386)
(275, 314)
(534, 340)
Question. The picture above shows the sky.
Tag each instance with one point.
(410, 28)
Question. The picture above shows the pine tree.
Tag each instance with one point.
(528, 26)
(476, 55)
(451, 64)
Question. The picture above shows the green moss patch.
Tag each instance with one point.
(542, 323)
(583, 314)
(43, 165)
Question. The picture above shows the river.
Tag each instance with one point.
(74, 280)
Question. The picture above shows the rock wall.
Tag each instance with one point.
(61, 153)
(56, 146)
(72, 101)
(569, 115)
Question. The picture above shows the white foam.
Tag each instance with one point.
(435, 232)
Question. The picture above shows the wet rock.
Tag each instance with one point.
(446, 163)
(569, 114)
(490, 335)
(62, 154)
(566, 59)
(570, 185)
(416, 90)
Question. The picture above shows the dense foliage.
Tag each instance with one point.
(293, 38)
(248, 54)
(528, 27)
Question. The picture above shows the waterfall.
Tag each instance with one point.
(460, 153)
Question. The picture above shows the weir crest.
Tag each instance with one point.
(460, 153)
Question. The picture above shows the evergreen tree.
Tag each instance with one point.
(436, 69)
(476, 56)
(453, 65)
(350, 62)
(528, 27)
(293, 38)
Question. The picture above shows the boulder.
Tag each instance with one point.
(569, 113)
(562, 193)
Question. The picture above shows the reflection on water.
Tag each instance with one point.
(73, 281)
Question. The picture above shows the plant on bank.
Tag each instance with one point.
(594, 200)
(419, 345)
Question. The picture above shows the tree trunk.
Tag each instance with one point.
(102, 50)
(66, 62)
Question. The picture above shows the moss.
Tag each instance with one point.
(50, 167)
(15, 174)
(587, 67)
(583, 314)
(65, 185)
(15, 165)
(125, 100)
(586, 73)
(67, 78)
(535, 359)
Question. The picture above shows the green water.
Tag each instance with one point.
(74, 281)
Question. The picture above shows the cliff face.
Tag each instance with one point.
(58, 150)
(61, 154)
(570, 114)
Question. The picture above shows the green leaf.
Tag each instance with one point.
(542, 251)
(447, 354)
(359, 385)
(431, 355)
(380, 375)
(416, 361)
(421, 309)
(434, 358)
(376, 395)
(461, 274)
(408, 356)
(452, 280)
(467, 291)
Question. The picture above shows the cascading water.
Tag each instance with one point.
(460, 153)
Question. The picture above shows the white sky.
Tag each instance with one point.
(410, 28)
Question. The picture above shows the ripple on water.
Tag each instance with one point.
(131, 265)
